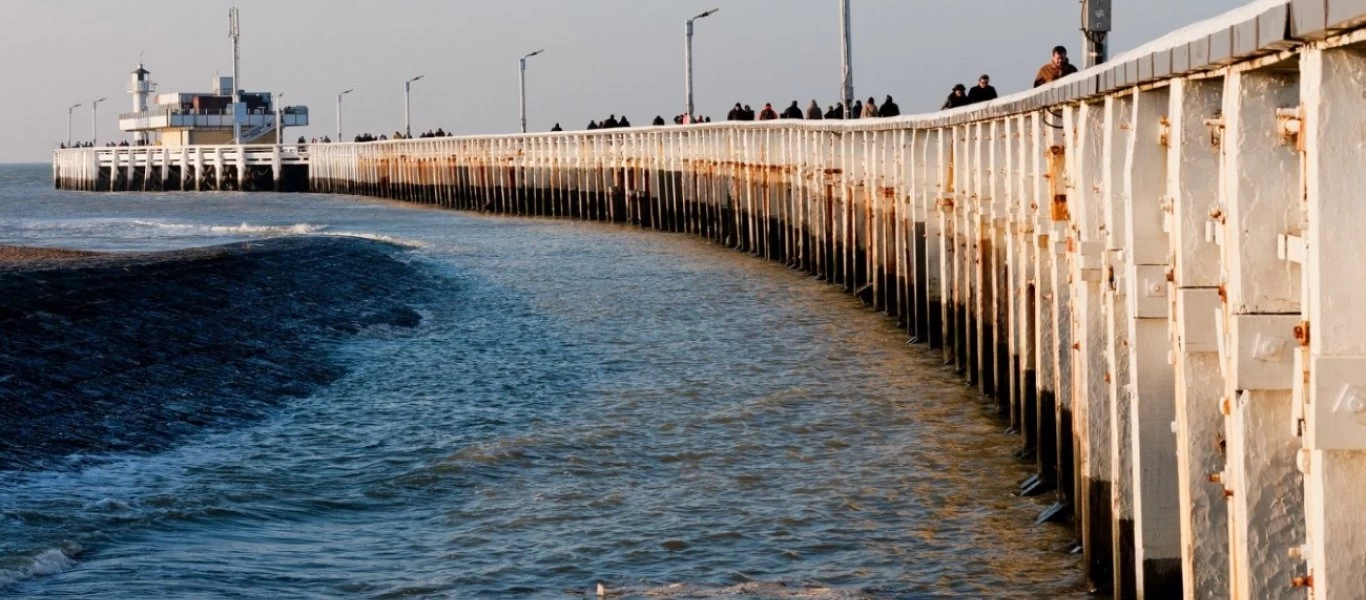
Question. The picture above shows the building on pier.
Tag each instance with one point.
(205, 118)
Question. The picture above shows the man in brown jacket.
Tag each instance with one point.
(1056, 69)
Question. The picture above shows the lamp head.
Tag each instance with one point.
(706, 14)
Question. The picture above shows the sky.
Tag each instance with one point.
(601, 56)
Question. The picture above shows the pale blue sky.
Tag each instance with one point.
(602, 56)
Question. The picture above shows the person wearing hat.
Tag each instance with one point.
(958, 97)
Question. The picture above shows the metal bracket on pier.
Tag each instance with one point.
(1291, 248)
(1338, 421)
(1261, 347)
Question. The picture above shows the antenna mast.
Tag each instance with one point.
(235, 34)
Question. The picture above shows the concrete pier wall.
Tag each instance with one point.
(1147, 268)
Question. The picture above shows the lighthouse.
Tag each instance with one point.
(140, 86)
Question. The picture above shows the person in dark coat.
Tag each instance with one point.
(659, 121)
(1056, 69)
(792, 111)
(556, 128)
(983, 91)
(768, 114)
(749, 114)
(858, 110)
(958, 97)
(592, 125)
(623, 122)
(889, 108)
(737, 113)
(610, 123)
(813, 111)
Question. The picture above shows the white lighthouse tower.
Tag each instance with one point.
(140, 86)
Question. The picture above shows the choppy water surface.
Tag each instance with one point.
(581, 402)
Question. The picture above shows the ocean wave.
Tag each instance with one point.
(295, 229)
(48, 562)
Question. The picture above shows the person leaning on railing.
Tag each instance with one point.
(1056, 69)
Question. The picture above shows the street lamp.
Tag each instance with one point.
(846, 53)
(407, 123)
(94, 106)
(521, 84)
(279, 121)
(687, 59)
(339, 120)
(68, 122)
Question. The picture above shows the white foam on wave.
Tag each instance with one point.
(388, 239)
(278, 230)
(248, 228)
(48, 562)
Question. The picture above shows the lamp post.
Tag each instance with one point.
(407, 122)
(68, 122)
(687, 60)
(339, 119)
(521, 84)
(279, 120)
(94, 106)
(847, 57)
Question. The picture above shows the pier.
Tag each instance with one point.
(1148, 268)
(255, 168)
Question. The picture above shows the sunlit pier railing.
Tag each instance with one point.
(1149, 266)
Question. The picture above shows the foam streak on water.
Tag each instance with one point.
(581, 402)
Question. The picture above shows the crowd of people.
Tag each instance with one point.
(1056, 68)
(123, 144)
(813, 112)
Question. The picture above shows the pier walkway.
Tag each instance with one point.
(1149, 267)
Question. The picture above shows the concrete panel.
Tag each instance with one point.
(1181, 59)
(1145, 68)
(1346, 13)
(1221, 46)
(1131, 73)
(1273, 29)
(1162, 63)
(1245, 41)
(1308, 19)
(1199, 54)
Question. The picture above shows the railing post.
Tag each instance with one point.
(1333, 336)
(1192, 194)
(1261, 202)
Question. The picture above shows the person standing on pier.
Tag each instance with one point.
(1056, 69)
(813, 111)
(792, 111)
(768, 114)
(889, 108)
(983, 91)
(958, 97)
(857, 110)
(869, 109)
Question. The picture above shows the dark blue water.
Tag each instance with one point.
(581, 402)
